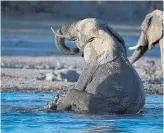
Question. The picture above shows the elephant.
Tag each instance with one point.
(108, 82)
(151, 34)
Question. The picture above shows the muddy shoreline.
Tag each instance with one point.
(20, 73)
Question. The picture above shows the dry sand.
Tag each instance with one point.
(20, 73)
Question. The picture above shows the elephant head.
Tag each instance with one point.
(92, 36)
(62, 34)
(151, 34)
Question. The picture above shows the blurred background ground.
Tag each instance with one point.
(27, 43)
(116, 11)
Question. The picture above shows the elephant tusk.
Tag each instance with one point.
(52, 30)
(61, 36)
(134, 47)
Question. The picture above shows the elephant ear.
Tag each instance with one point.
(152, 27)
(105, 47)
(119, 38)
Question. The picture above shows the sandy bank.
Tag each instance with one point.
(20, 73)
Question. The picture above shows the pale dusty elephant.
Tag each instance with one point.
(108, 82)
(151, 34)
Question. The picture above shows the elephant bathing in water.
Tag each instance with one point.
(108, 82)
(151, 34)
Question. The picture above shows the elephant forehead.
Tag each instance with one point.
(157, 12)
(88, 25)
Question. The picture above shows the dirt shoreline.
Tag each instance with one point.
(20, 73)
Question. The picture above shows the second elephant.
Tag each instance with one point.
(151, 34)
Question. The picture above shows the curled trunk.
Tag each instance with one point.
(60, 45)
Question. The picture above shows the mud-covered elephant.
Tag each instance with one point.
(108, 82)
(151, 34)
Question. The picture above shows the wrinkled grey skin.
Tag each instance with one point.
(108, 82)
(151, 34)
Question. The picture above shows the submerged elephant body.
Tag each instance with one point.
(108, 82)
(113, 87)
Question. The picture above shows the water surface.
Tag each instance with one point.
(16, 121)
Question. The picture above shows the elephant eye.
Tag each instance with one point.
(91, 39)
(73, 39)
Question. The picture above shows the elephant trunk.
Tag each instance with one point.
(139, 49)
(59, 42)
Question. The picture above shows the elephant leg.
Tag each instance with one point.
(74, 100)
(83, 102)
(85, 77)
(58, 103)
(52, 104)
